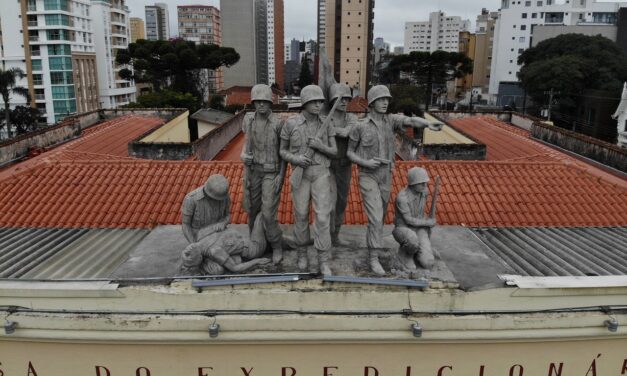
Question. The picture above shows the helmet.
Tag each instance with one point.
(261, 92)
(311, 93)
(417, 175)
(376, 92)
(340, 90)
(217, 187)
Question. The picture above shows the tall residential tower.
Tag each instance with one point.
(202, 24)
(345, 31)
(255, 29)
(157, 22)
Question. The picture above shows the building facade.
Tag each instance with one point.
(55, 48)
(348, 40)
(517, 20)
(157, 22)
(484, 36)
(202, 24)
(440, 32)
(255, 28)
(111, 34)
(138, 29)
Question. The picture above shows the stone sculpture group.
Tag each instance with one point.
(321, 150)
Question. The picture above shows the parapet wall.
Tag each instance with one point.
(597, 150)
(70, 128)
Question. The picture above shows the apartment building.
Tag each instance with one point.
(345, 29)
(111, 23)
(440, 32)
(157, 22)
(52, 41)
(514, 31)
(138, 29)
(255, 28)
(202, 24)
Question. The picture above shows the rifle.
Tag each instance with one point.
(297, 173)
(247, 168)
(434, 197)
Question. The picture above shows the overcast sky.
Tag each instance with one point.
(389, 21)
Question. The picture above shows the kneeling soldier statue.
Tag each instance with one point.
(412, 228)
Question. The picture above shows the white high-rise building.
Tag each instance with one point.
(514, 30)
(441, 32)
(67, 49)
(157, 22)
(111, 34)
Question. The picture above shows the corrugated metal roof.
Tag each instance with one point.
(37, 253)
(574, 251)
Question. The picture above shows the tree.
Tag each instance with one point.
(406, 99)
(8, 86)
(176, 64)
(167, 99)
(216, 102)
(571, 64)
(25, 119)
(305, 78)
(426, 69)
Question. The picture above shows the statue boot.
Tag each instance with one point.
(302, 258)
(375, 265)
(324, 258)
(277, 253)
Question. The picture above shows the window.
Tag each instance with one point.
(59, 49)
(534, 15)
(60, 63)
(56, 5)
(521, 39)
(64, 107)
(57, 19)
(63, 92)
(539, 3)
(523, 27)
(36, 65)
(38, 79)
(527, 3)
(524, 15)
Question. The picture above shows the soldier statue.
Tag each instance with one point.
(341, 167)
(206, 209)
(264, 171)
(412, 228)
(372, 147)
(307, 142)
(213, 246)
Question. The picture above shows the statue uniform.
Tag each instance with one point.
(315, 184)
(341, 172)
(201, 211)
(413, 240)
(376, 140)
(266, 167)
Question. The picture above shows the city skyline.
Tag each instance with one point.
(389, 21)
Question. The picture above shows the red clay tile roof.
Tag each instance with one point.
(358, 104)
(142, 194)
(106, 141)
(232, 150)
(505, 142)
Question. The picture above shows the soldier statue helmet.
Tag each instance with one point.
(311, 93)
(261, 92)
(417, 175)
(217, 187)
(339, 90)
(378, 92)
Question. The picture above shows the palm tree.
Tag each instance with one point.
(8, 80)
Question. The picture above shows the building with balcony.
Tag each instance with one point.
(521, 24)
(440, 32)
(157, 22)
(111, 34)
(138, 30)
(345, 30)
(202, 24)
(56, 50)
